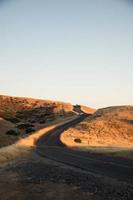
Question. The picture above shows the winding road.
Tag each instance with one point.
(50, 146)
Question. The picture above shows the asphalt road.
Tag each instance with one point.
(51, 147)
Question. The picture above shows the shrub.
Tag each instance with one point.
(20, 115)
(10, 116)
(78, 140)
(24, 126)
(32, 121)
(29, 130)
(42, 121)
(12, 132)
(12, 119)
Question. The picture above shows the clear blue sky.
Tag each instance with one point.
(80, 51)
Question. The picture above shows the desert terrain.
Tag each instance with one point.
(107, 130)
(20, 117)
(54, 150)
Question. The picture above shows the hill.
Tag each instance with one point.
(22, 116)
(111, 127)
(16, 108)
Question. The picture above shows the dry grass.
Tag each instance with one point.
(107, 128)
(87, 109)
(35, 113)
(24, 147)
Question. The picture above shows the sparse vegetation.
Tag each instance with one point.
(17, 109)
(25, 115)
(42, 121)
(12, 132)
(12, 119)
(107, 127)
(29, 130)
(24, 126)
(8, 115)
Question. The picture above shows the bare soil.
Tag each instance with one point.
(37, 178)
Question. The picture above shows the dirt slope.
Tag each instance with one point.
(12, 106)
(22, 116)
(112, 126)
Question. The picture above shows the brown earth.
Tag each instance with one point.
(31, 177)
(84, 109)
(108, 127)
(20, 108)
(87, 109)
(20, 117)
(65, 174)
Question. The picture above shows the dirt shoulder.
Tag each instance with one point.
(40, 178)
(29, 176)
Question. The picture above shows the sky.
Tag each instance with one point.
(78, 51)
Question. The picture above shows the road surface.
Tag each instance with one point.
(50, 146)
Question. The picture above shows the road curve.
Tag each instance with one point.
(50, 146)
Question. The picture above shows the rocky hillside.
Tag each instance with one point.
(112, 126)
(15, 109)
(22, 116)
